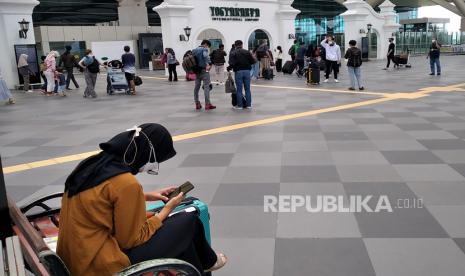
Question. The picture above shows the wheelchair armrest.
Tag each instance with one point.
(160, 265)
(39, 202)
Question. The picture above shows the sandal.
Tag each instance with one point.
(220, 262)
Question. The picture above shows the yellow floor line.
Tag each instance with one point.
(385, 97)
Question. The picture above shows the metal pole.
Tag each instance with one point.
(5, 220)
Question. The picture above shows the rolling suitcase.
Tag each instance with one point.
(189, 204)
(289, 67)
(268, 74)
(313, 74)
(234, 100)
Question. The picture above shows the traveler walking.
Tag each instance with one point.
(300, 59)
(241, 62)
(69, 61)
(391, 53)
(218, 60)
(172, 63)
(25, 71)
(354, 57)
(293, 50)
(90, 65)
(434, 54)
(50, 64)
(263, 57)
(233, 47)
(129, 68)
(202, 72)
(255, 72)
(279, 59)
(5, 94)
(333, 57)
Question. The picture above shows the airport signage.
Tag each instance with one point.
(234, 14)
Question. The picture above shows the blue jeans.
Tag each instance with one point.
(435, 61)
(355, 76)
(255, 70)
(243, 79)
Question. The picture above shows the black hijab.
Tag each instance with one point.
(96, 169)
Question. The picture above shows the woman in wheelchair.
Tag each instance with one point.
(103, 223)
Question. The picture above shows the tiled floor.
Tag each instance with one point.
(403, 148)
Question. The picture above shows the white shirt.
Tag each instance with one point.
(333, 53)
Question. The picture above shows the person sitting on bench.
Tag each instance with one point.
(104, 227)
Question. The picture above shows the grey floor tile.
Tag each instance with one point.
(415, 257)
(428, 172)
(389, 145)
(367, 173)
(341, 136)
(444, 144)
(451, 219)
(259, 159)
(252, 175)
(239, 263)
(431, 135)
(411, 157)
(323, 257)
(208, 160)
(307, 174)
(460, 243)
(406, 219)
(358, 158)
(439, 192)
(451, 156)
(251, 194)
(242, 222)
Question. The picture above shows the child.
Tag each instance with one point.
(60, 81)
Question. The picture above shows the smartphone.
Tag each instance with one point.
(185, 188)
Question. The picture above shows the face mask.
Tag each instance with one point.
(151, 167)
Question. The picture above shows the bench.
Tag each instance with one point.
(41, 260)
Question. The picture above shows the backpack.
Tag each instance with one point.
(189, 63)
(261, 52)
(291, 51)
(94, 67)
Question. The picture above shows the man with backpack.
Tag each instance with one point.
(218, 60)
(91, 67)
(202, 70)
(263, 57)
(293, 50)
(354, 61)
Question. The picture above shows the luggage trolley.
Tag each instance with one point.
(403, 59)
(116, 79)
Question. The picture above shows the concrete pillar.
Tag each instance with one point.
(11, 12)
(132, 13)
(174, 15)
(286, 15)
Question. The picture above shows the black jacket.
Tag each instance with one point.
(354, 56)
(241, 59)
(68, 60)
(217, 57)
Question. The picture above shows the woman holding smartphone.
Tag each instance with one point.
(104, 227)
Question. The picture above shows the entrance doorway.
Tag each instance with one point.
(212, 35)
(149, 44)
(373, 53)
(257, 38)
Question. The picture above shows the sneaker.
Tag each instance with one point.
(67, 88)
(11, 101)
(63, 94)
(326, 80)
(221, 261)
(29, 91)
(238, 107)
(248, 107)
(335, 80)
(198, 106)
(439, 74)
(431, 74)
(361, 88)
(209, 106)
(351, 88)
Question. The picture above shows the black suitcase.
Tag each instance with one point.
(289, 67)
(268, 74)
(313, 76)
(234, 100)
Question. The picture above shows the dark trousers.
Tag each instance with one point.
(279, 65)
(389, 58)
(172, 71)
(332, 66)
(182, 237)
(300, 65)
(70, 77)
(44, 86)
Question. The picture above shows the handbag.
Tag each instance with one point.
(229, 86)
(177, 63)
(137, 80)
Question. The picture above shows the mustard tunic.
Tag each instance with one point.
(97, 224)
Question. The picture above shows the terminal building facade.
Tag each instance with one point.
(151, 25)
